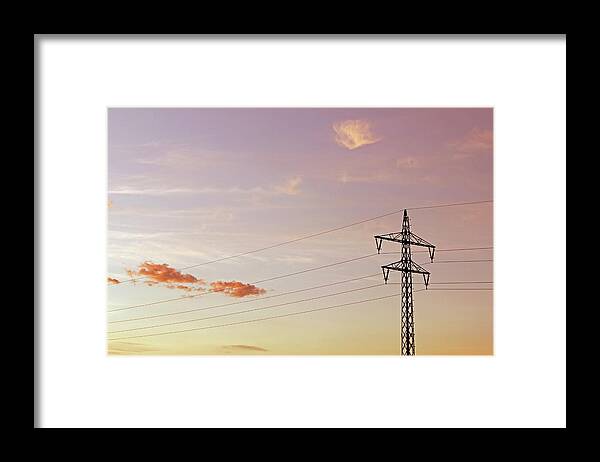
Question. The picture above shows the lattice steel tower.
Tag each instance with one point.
(407, 267)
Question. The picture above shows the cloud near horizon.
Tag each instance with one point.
(127, 348)
(243, 348)
(112, 280)
(352, 134)
(236, 289)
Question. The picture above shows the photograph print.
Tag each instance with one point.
(300, 231)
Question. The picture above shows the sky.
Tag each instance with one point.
(187, 186)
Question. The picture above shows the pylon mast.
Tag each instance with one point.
(407, 267)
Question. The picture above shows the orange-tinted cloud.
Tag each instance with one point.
(165, 276)
(110, 203)
(352, 134)
(112, 280)
(156, 272)
(236, 288)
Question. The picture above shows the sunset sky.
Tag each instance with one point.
(188, 186)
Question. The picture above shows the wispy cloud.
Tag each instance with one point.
(374, 177)
(476, 141)
(236, 289)
(230, 348)
(290, 187)
(201, 214)
(407, 162)
(157, 192)
(112, 280)
(131, 274)
(127, 348)
(352, 134)
(185, 288)
(182, 157)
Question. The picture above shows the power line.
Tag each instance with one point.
(260, 319)
(245, 311)
(141, 318)
(243, 301)
(266, 308)
(448, 288)
(448, 250)
(452, 282)
(457, 282)
(313, 269)
(455, 261)
(264, 318)
(273, 278)
(465, 288)
(424, 207)
(320, 233)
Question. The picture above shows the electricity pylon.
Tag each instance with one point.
(407, 267)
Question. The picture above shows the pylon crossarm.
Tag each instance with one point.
(396, 266)
(400, 266)
(414, 268)
(394, 237)
(417, 240)
(390, 236)
(397, 237)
